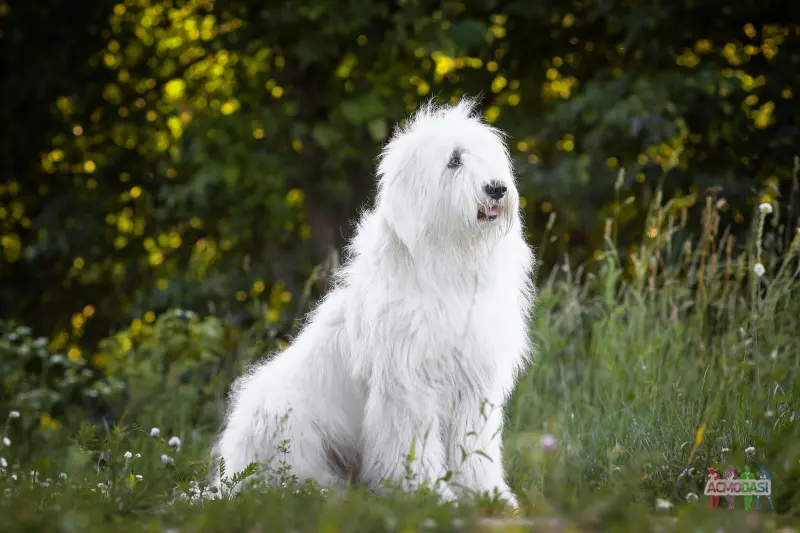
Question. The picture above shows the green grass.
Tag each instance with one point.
(683, 363)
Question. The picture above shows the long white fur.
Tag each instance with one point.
(419, 343)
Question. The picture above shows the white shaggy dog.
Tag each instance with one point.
(418, 346)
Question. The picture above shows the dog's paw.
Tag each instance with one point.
(446, 494)
(512, 511)
(512, 506)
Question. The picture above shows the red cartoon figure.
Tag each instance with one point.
(713, 499)
(730, 473)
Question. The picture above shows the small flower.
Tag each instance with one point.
(3, 462)
(175, 442)
(548, 442)
(138, 455)
(155, 432)
(13, 414)
(725, 450)
(62, 475)
(759, 269)
(14, 477)
(663, 504)
(138, 477)
(691, 497)
(6, 441)
(166, 459)
(128, 455)
(765, 208)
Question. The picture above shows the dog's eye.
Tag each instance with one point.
(455, 159)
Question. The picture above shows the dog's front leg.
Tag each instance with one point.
(476, 449)
(402, 443)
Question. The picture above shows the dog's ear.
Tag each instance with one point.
(402, 209)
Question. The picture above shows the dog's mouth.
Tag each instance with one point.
(488, 212)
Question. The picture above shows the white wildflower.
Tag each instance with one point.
(138, 477)
(750, 450)
(725, 450)
(13, 414)
(663, 504)
(548, 442)
(138, 455)
(128, 455)
(691, 497)
(759, 269)
(175, 442)
(155, 432)
(13, 477)
(166, 459)
(62, 475)
(6, 441)
(765, 208)
(3, 462)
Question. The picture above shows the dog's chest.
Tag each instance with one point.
(453, 336)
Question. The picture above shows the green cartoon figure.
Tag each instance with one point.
(747, 474)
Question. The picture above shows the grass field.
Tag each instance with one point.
(644, 378)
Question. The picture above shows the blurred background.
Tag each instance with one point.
(208, 157)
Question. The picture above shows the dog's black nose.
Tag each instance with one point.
(495, 190)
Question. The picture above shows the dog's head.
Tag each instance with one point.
(446, 174)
